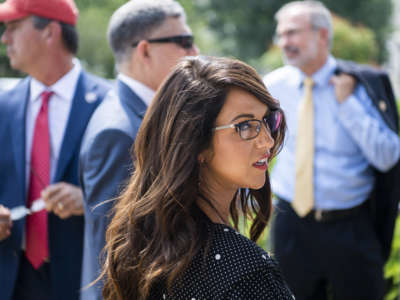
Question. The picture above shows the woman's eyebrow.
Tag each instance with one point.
(243, 116)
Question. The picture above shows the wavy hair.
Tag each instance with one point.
(156, 230)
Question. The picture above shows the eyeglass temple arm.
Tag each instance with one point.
(225, 126)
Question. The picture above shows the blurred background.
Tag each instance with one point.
(366, 31)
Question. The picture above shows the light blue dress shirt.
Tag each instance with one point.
(349, 138)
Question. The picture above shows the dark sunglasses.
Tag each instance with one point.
(250, 129)
(184, 41)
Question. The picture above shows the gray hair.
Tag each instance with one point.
(135, 21)
(320, 16)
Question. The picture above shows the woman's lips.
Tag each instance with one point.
(262, 163)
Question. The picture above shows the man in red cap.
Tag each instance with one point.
(42, 121)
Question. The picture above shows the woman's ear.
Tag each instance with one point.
(204, 156)
(200, 158)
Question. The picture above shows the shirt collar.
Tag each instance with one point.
(322, 76)
(63, 88)
(143, 91)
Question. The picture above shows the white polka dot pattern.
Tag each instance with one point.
(233, 268)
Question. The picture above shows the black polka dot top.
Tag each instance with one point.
(233, 268)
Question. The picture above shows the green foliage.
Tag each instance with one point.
(374, 14)
(94, 52)
(350, 42)
(392, 268)
(270, 60)
(246, 28)
(205, 39)
(356, 43)
(244, 228)
(242, 29)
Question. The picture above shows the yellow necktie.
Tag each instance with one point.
(303, 201)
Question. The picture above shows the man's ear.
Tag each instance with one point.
(142, 49)
(52, 32)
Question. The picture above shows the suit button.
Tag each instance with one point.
(382, 105)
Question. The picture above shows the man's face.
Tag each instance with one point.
(23, 43)
(166, 55)
(298, 41)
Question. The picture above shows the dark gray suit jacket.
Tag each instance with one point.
(105, 165)
(384, 200)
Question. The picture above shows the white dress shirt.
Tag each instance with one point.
(59, 108)
(144, 92)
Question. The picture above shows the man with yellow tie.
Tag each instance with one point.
(341, 148)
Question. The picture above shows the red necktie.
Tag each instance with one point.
(37, 249)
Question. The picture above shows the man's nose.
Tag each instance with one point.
(193, 51)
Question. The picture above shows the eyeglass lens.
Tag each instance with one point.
(251, 128)
(273, 120)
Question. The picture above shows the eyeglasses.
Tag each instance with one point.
(184, 41)
(250, 129)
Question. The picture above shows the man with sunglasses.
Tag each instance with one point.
(337, 177)
(147, 39)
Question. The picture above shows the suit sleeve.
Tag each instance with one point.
(105, 166)
(379, 144)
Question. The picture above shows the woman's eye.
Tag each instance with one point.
(244, 126)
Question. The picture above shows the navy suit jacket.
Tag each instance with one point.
(384, 200)
(65, 236)
(105, 166)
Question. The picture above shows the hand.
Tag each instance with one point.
(63, 199)
(5, 222)
(344, 86)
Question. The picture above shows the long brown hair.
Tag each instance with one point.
(155, 231)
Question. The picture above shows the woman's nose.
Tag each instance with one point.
(265, 139)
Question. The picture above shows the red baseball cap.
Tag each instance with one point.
(60, 10)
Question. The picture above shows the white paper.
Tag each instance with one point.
(38, 205)
(18, 212)
(21, 211)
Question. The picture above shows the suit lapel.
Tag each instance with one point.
(19, 101)
(81, 109)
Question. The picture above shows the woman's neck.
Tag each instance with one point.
(217, 208)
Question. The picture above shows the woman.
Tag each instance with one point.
(202, 155)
